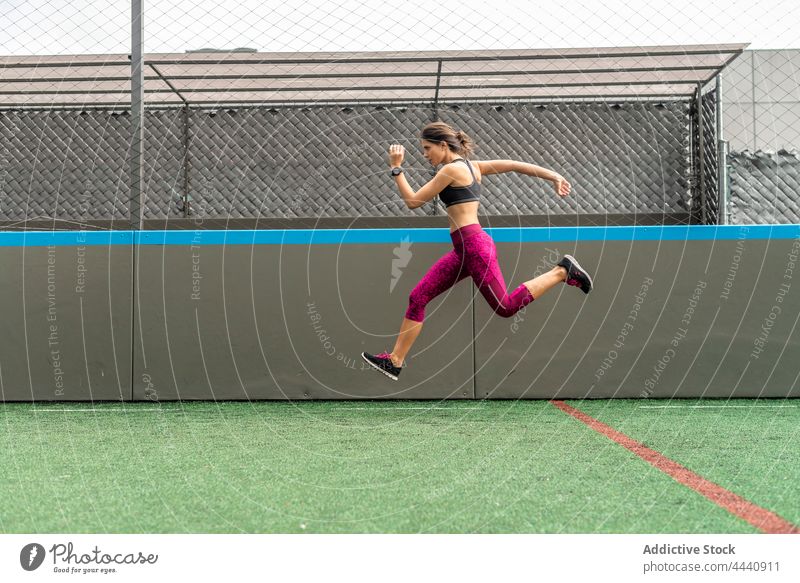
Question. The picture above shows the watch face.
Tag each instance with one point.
(396, 171)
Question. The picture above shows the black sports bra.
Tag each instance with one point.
(451, 195)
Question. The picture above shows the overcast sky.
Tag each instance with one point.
(61, 27)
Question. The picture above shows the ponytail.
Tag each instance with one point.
(456, 140)
(467, 145)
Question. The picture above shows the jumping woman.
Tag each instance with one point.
(458, 184)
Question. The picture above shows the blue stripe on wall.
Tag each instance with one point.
(64, 238)
(393, 236)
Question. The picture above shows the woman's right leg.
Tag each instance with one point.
(442, 275)
(540, 284)
(480, 260)
(480, 257)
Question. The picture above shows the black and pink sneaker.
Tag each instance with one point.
(576, 275)
(383, 362)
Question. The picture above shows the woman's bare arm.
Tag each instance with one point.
(502, 166)
(425, 194)
(433, 187)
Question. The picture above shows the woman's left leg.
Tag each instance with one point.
(441, 276)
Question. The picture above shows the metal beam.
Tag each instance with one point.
(502, 73)
(165, 80)
(699, 150)
(722, 159)
(137, 114)
(137, 144)
(334, 88)
(498, 99)
(430, 59)
(436, 95)
(343, 59)
(186, 161)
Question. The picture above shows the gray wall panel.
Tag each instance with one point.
(776, 75)
(66, 323)
(633, 338)
(760, 93)
(737, 80)
(777, 125)
(290, 321)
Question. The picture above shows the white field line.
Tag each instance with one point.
(718, 406)
(115, 410)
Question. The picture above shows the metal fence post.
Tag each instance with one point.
(435, 201)
(137, 115)
(699, 154)
(186, 163)
(724, 182)
(137, 141)
(436, 94)
(186, 166)
(722, 160)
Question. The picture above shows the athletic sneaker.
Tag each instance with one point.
(576, 276)
(383, 362)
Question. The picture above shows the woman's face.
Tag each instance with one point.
(434, 152)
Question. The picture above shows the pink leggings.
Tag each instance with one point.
(474, 254)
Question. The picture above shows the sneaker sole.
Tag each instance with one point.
(582, 270)
(376, 367)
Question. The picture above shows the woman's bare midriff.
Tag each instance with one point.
(465, 213)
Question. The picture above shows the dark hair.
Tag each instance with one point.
(456, 140)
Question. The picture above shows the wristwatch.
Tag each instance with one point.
(397, 171)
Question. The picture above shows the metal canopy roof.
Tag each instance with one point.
(232, 77)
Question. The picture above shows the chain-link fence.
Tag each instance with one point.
(57, 162)
(285, 112)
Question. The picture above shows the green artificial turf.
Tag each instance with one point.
(749, 447)
(499, 466)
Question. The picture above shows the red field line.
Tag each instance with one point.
(761, 518)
